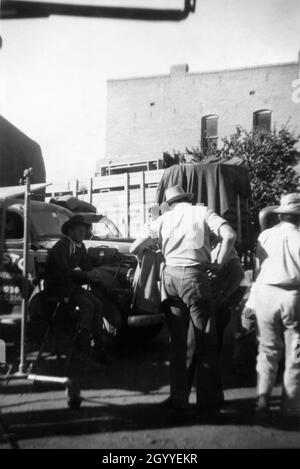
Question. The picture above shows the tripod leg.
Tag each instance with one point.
(72, 348)
(73, 391)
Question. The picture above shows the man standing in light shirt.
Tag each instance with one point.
(183, 233)
(275, 297)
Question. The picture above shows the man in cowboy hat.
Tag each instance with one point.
(275, 297)
(183, 233)
(68, 267)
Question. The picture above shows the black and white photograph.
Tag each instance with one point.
(149, 228)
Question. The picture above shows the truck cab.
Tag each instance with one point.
(45, 221)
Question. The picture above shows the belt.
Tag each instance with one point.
(199, 267)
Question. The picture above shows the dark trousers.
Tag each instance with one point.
(111, 309)
(91, 316)
(193, 345)
(227, 282)
(222, 314)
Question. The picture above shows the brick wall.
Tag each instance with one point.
(147, 116)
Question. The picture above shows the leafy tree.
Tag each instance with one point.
(270, 157)
(195, 154)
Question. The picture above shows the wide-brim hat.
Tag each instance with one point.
(75, 220)
(289, 204)
(175, 193)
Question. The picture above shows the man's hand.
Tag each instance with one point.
(214, 267)
(140, 244)
(93, 275)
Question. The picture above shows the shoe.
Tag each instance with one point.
(262, 404)
(208, 415)
(262, 409)
(177, 413)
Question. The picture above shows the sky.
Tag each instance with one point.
(54, 71)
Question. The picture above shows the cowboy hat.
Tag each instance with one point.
(177, 193)
(75, 220)
(289, 204)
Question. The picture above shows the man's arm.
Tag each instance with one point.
(146, 239)
(228, 237)
(260, 256)
(225, 233)
(140, 244)
(60, 264)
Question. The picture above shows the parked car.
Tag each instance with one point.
(106, 246)
(103, 228)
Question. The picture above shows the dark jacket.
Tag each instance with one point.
(60, 276)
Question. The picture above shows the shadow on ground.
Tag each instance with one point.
(137, 374)
(142, 367)
(98, 417)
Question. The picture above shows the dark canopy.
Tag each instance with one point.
(216, 185)
(17, 153)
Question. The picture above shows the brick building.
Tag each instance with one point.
(151, 115)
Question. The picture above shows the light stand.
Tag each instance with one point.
(22, 365)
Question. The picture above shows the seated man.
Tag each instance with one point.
(68, 267)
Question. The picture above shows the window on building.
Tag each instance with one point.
(262, 120)
(209, 132)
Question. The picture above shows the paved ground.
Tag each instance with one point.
(120, 410)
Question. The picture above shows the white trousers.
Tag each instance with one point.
(278, 320)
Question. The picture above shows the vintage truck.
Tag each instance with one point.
(46, 220)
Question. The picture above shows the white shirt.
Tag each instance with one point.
(278, 252)
(184, 234)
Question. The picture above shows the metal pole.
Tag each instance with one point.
(2, 235)
(90, 190)
(27, 174)
(143, 199)
(126, 201)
